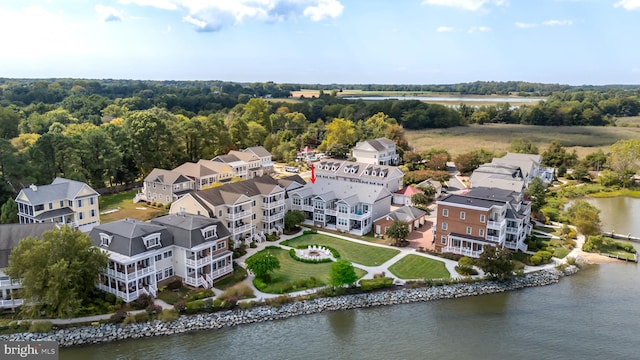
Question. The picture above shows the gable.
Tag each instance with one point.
(85, 191)
(22, 197)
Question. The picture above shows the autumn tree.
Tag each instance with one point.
(340, 136)
(58, 273)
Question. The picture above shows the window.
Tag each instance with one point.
(158, 257)
(169, 272)
(168, 198)
(93, 212)
(209, 232)
(343, 221)
(462, 215)
(296, 201)
(445, 212)
(61, 203)
(167, 254)
(221, 245)
(50, 206)
(105, 239)
(482, 218)
(253, 203)
(318, 217)
(481, 232)
(152, 240)
(159, 276)
(91, 201)
(80, 215)
(70, 203)
(79, 201)
(164, 187)
(443, 240)
(469, 230)
(254, 216)
(444, 226)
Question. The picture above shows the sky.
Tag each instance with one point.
(571, 42)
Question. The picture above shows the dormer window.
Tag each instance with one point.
(366, 172)
(105, 239)
(374, 173)
(152, 240)
(333, 168)
(382, 174)
(209, 232)
(353, 170)
(346, 169)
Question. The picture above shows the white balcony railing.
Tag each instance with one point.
(132, 275)
(9, 284)
(238, 215)
(462, 251)
(199, 262)
(356, 216)
(240, 229)
(11, 303)
(511, 230)
(496, 239)
(191, 281)
(131, 296)
(273, 217)
(332, 212)
(273, 204)
(497, 224)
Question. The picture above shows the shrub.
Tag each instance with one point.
(40, 326)
(142, 317)
(143, 301)
(153, 310)
(272, 237)
(371, 284)
(129, 320)
(246, 305)
(169, 315)
(180, 306)
(193, 307)
(200, 294)
(545, 255)
(253, 245)
(110, 298)
(465, 261)
(571, 260)
(466, 270)
(118, 316)
(278, 301)
(207, 305)
(535, 260)
(237, 291)
(310, 232)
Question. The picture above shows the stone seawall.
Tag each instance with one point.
(84, 335)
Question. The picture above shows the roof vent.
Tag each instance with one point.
(33, 187)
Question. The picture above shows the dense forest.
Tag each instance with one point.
(108, 132)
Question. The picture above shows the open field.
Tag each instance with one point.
(419, 267)
(631, 121)
(498, 137)
(123, 203)
(354, 252)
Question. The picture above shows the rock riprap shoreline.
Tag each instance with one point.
(83, 335)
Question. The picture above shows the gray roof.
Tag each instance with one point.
(380, 144)
(185, 228)
(167, 177)
(354, 169)
(229, 158)
(229, 193)
(258, 151)
(349, 192)
(492, 194)
(51, 214)
(59, 189)
(469, 201)
(12, 234)
(527, 162)
(483, 197)
(127, 236)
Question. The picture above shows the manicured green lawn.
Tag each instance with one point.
(419, 267)
(239, 274)
(358, 253)
(291, 270)
(123, 203)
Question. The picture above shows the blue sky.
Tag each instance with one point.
(324, 41)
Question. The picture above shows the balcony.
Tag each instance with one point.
(199, 262)
(123, 295)
(273, 217)
(495, 239)
(240, 229)
(272, 204)
(11, 303)
(462, 251)
(513, 230)
(132, 275)
(359, 216)
(330, 212)
(238, 215)
(9, 284)
(498, 225)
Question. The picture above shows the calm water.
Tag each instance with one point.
(592, 315)
(621, 214)
(447, 98)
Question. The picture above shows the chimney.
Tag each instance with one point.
(33, 187)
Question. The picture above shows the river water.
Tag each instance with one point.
(619, 214)
(480, 99)
(591, 315)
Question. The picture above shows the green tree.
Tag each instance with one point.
(262, 263)
(9, 212)
(238, 130)
(342, 273)
(556, 155)
(149, 136)
(257, 110)
(496, 262)
(292, 219)
(580, 173)
(624, 159)
(340, 136)
(9, 120)
(523, 147)
(536, 191)
(58, 273)
(421, 199)
(585, 217)
(398, 231)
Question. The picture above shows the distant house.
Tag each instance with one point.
(165, 186)
(381, 151)
(436, 185)
(63, 201)
(389, 177)
(403, 196)
(10, 237)
(246, 165)
(266, 161)
(500, 176)
(143, 255)
(414, 217)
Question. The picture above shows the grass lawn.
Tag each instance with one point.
(358, 253)
(171, 297)
(239, 274)
(498, 137)
(123, 202)
(419, 267)
(292, 270)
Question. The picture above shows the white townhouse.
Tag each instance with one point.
(381, 151)
(142, 255)
(266, 161)
(389, 177)
(246, 165)
(63, 201)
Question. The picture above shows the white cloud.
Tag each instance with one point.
(212, 15)
(478, 29)
(107, 13)
(471, 5)
(557, 22)
(523, 25)
(445, 29)
(628, 4)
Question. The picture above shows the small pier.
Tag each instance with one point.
(628, 237)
